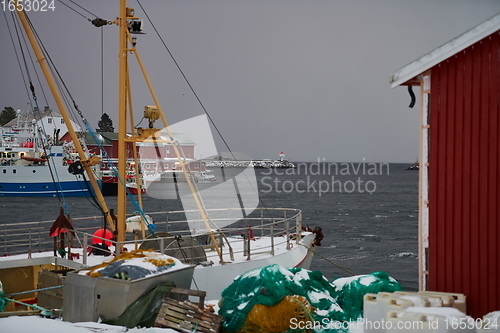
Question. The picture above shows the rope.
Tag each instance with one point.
(32, 291)
(331, 262)
(45, 312)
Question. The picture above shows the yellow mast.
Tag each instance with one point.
(86, 163)
(145, 133)
(122, 118)
(126, 14)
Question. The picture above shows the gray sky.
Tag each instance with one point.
(310, 78)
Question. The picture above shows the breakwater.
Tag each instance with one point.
(246, 164)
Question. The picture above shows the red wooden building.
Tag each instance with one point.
(109, 142)
(459, 187)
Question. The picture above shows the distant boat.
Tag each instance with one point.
(414, 166)
(28, 169)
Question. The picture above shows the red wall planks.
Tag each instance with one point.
(464, 187)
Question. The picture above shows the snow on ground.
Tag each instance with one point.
(37, 324)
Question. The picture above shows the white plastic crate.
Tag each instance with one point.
(430, 320)
(490, 323)
(377, 306)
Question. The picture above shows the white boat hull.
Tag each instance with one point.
(214, 279)
(40, 180)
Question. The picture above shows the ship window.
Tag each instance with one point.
(196, 166)
(165, 166)
(45, 186)
(34, 171)
(13, 170)
(62, 121)
(49, 120)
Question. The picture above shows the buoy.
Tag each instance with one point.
(103, 233)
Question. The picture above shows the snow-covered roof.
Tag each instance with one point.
(181, 138)
(445, 51)
(34, 115)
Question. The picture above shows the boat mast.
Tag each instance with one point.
(144, 135)
(87, 163)
(122, 118)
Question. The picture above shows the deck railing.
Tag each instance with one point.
(281, 226)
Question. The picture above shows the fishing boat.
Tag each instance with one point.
(221, 231)
(34, 164)
(414, 166)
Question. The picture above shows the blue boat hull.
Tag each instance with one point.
(47, 189)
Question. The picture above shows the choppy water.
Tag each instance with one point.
(369, 218)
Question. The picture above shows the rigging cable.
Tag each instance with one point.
(64, 94)
(61, 83)
(102, 71)
(186, 79)
(83, 8)
(53, 171)
(113, 168)
(98, 22)
(54, 70)
(41, 87)
(85, 122)
(240, 200)
(75, 10)
(34, 67)
(17, 58)
(57, 184)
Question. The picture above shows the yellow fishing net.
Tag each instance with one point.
(277, 318)
(149, 255)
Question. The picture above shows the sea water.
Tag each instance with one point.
(368, 212)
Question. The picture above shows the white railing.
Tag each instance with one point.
(279, 225)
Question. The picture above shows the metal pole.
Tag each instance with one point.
(261, 222)
(84, 249)
(29, 246)
(272, 238)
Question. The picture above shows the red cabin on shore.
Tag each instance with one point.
(459, 188)
(109, 142)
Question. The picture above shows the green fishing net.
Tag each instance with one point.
(268, 286)
(3, 300)
(337, 302)
(349, 292)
